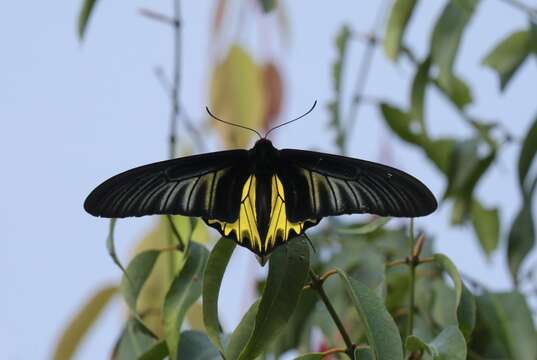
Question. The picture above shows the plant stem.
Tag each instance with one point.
(364, 71)
(176, 80)
(317, 285)
(413, 263)
(181, 244)
(175, 91)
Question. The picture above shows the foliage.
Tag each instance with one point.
(390, 298)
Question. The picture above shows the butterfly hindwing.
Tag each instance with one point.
(207, 185)
(318, 184)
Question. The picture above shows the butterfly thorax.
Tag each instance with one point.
(264, 156)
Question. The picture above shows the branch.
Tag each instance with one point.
(174, 114)
(317, 285)
(365, 66)
(413, 264)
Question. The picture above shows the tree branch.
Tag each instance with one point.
(365, 70)
(317, 285)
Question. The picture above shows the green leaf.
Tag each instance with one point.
(137, 273)
(212, 280)
(363, 354)
(110, 246)
(184, 291)
(79, 325)
(466, 313)
(401, 123)
(444, 310)
(448, 345)
(509, 319)
(362, 229)
(400, 14)
(239, 338)
(508, 55)
(268, 5)
(521, 236)
(195, 345)
(134, 341)
(380, 329)
(297, 327)
(466, 168)
(447, 35)
(417, 95)
(342, 41)
(158, 351)
(487, 226)
(84, 16)
(527, 154)
(288, 269)
(447, 265)
(440, 152)
(151, 296)
(456, 90)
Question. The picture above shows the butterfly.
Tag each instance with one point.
(262, 197)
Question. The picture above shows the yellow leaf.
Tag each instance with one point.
(273, 86)
(195, 317)
(151, 297)
(79, 325)
(237, 95)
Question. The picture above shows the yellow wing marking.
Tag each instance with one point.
(244, 230)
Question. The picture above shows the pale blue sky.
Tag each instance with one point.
(74, 114)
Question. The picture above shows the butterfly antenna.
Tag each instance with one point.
(290, 121)
(230, 123)
(310, 242)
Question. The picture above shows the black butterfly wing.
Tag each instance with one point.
(318, 185)
(207, 185)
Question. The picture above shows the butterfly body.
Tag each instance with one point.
(262, 197)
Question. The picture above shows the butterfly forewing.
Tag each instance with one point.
(207, 185)
(318, 185)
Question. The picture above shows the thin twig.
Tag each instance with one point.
(176, 233)
(364, 71)
(397, 262)
(322, 278)
(467, 118)
(193, 130)
(416, 251)
(189, 125)
(153, 15)
(176, 79)
(174, 113)
(342, 350)
(317, 285)
(412, 265)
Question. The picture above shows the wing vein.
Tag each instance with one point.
(357, 202)
(211, 195)
(332, 191)
(190, 194)
(314, 192)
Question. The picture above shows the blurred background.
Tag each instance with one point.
(75, 112)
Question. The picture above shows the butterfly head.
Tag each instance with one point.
(263, 151)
